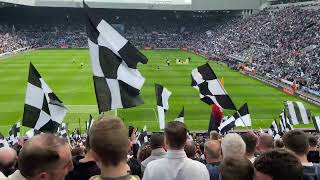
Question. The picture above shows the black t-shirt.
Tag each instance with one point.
(83, 171)
(313, 156)
(311, 172)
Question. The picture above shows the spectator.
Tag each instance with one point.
(43, 157)
(8, 160)
(85, 167)
(144, 152)
(212, 153)
(109, 143)
(175, 165)
(157, 146)
(278, 164)
(297, 142)
(191, 150)
(236, 168)
(313, 154)
(265, 143)
(232, 145)
(214, 135)
(251, 142)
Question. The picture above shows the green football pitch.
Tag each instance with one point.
(60, 68)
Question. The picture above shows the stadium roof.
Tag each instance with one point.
(148, 4)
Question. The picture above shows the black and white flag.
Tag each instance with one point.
(243, 120)
(297, 112)
(181, 116)
(3, 142)
(43, 110)
(114, 60)
(32, 132)
(14, 133)
(274, 130)
(162, 95)
(316, 123)
(89, 123)
(285, 125)
(143, 136)
(63, 130)
(211, 91)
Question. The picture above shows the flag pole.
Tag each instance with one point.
(79, 126)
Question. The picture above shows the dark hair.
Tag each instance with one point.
(296, 141)
(251, 142)
(313, 141)
(278, 143)
(190, 149)
(145, 152)
(39, 156)
(236, 168)
(109, 140)
(280, 164)
(176, 134)
(156, 140)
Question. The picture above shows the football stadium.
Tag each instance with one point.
(70, 69)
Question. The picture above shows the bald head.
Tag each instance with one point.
(212, 151)
(8, 158)
(48, 151)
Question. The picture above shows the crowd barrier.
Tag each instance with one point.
(14, 52)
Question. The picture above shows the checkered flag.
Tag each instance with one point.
(211, 91)
(114, 60)
(14, 133)
(43, 110)
(162, 96)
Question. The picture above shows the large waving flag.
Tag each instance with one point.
(297, 112)
(114, 60)
(211, 91)
(162, 95)
(43, 110)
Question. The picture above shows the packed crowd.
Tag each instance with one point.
(276, 43)
(108, 152)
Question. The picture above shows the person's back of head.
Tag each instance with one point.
(296, 141)
(251, 142)
(190, 149)
(214, 135)
(232, 145)
(8, 160)
(313, 141)
(144, 152)
(156, 141)
(109, 141)
(278, 164)
(212, 151)
(45, 156)
(265, 142)
(236, 168)
(175, 135)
